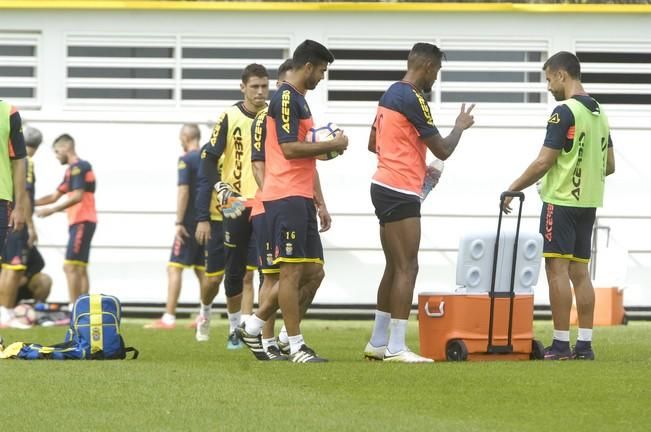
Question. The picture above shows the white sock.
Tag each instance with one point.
(295, 343)
(234, 320)
(266, 343)
(562, 335)
(282, 336)
(168, 318)
(245, 317)
(585, 335)
(253, 325)
(205, 311)
(380, 335)
(397, 336)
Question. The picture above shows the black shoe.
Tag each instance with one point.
(583, 351)
(558, 351)
(273, 354)
(254, 343)
(306, 355)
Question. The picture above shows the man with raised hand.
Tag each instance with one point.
(402, 133)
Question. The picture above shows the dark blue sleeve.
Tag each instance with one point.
(16, 139)
(204, 185)
(560, 129)
(417, 111)
(78, 176)
(218, 137)
(258, 136)
(288, 117)
(184, 172)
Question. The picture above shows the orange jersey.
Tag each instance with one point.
(402, 121)
(288, 120)
(79, 175)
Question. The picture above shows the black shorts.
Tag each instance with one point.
(5, 211)
(16, 250)
(214, 251)
(78, 251)
(187, 254)
(294, 230)
(567, 232)
(393, 206)
(263, 242)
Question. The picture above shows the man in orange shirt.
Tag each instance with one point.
(79, 187)
(288, 197)
(401, 134)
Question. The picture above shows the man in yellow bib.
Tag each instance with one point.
(573, 163)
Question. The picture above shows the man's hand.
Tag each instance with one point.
(464, 119)
(341, 142)
(44, 212)
(231, 202)
(202, 234)
(325, 221)
(17, 218)
(506, 206)
(181, 234)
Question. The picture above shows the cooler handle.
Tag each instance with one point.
(438, 314)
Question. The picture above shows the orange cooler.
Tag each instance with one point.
(454, 326)
(608, 308)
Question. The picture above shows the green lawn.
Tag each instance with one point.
(178, 384)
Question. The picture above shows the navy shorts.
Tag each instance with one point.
(187, 254)
(393, 206)
(5, 211)
(214, 254)
(567, 232)
(294, 230)
(263, 243)
(16, 251)
(79, 240)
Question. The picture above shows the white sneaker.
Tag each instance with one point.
(405, 356)
(203, 329)
(374, 353)
(15, 324)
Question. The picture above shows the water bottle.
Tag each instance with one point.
(432, 175)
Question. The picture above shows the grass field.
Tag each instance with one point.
(178, 384)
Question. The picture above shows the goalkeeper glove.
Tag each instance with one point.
(231, 202)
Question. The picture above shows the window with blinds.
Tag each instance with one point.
(19, 68)
(164, 70)
(486, 71)
(211, 67)
(617, 73)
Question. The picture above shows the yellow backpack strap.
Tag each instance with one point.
(96, 329)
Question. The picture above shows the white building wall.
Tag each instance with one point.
(134, 148)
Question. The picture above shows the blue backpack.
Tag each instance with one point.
(94, 334)
(95, 328)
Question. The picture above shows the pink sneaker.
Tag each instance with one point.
(159, 324)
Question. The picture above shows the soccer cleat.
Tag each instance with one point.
(405, 356)
(159, 324)
(202, 325)
(374, 353)
(305, 354)
(254, 343)
(558, 351)
(273, 354)
(283, 347)
(583, 351)
(233, 342)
